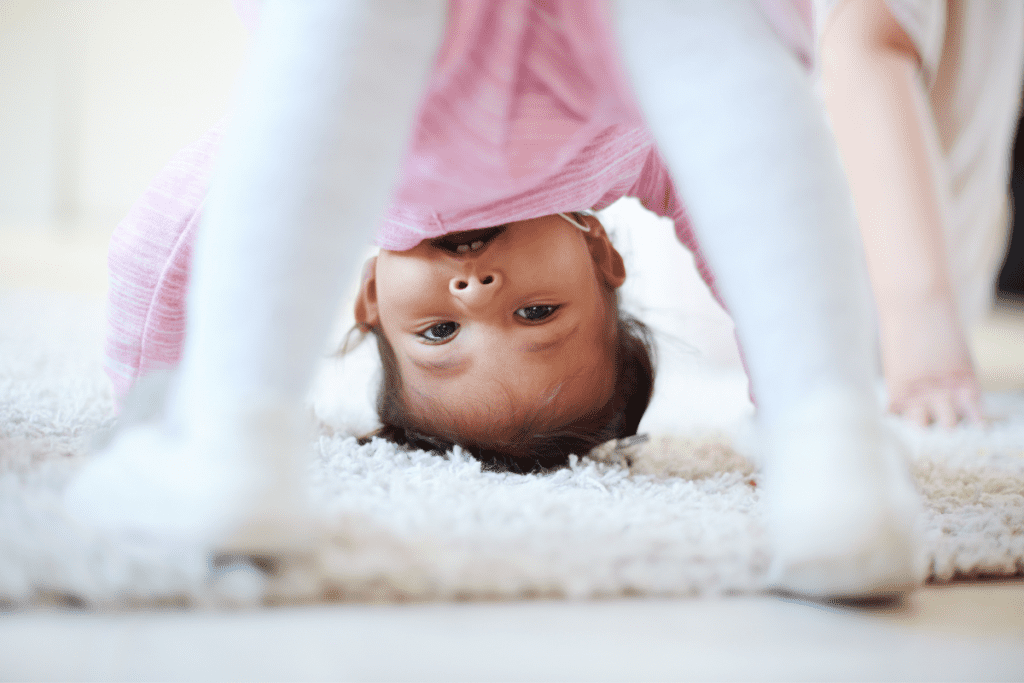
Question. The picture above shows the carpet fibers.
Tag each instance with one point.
(679, 516)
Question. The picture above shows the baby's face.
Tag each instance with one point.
(515, 323)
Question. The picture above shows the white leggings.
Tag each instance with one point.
(758, 171)
(324, 115)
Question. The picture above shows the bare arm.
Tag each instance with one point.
(889, 144)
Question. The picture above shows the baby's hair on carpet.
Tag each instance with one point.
(528, 450)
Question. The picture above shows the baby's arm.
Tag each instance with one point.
(890, 146)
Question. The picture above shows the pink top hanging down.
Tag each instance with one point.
(527, 113)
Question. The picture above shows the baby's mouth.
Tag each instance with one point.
(467, 241)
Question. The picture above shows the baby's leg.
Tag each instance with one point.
(326, 104)
(748, 145)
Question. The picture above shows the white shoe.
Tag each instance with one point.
(843, 512)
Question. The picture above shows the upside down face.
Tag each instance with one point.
(492, 329)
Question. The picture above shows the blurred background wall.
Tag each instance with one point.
(96, 95)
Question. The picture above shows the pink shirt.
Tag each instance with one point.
(527, 113)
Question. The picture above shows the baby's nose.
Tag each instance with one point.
(475, 288)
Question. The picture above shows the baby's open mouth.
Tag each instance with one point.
(467, 241)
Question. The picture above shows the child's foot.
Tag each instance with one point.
(231, 485)
(842, 509)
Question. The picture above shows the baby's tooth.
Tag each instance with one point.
(476, 245)
(462, 248)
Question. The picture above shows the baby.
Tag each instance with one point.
(494, 311)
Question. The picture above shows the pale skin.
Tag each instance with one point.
(888, 139)
(520, 326)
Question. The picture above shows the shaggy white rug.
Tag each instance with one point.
(682, 518)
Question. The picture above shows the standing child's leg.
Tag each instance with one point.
(326, 105)
(753, 159)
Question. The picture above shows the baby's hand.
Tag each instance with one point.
(943, 401)
(927, 360)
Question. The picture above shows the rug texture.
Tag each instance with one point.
(679, 516)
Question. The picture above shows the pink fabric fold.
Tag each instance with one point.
(148, 262)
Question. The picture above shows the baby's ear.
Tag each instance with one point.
(366, 300)
(607, 259)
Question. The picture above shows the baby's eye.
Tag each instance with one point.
(534, 313)
(440, 332)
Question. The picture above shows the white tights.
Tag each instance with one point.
(313, 150)
(327, 99)
(756, 166)
(759, 174)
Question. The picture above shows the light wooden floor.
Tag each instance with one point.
(972, 631)
(949, 633)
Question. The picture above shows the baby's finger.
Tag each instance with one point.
(943, 409)
(915, 410)
(968, 400)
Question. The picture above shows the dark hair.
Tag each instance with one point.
(530, 450)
